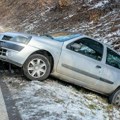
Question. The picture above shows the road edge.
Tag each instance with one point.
(12, 110)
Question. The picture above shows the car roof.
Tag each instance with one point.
(63, 36)
(14, 34)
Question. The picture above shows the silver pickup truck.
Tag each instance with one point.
(71, 57)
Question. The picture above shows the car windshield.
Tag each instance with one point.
(62, 36)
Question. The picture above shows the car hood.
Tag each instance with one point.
(36, 40)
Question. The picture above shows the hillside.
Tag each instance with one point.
(97, 18)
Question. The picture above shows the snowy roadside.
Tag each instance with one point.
(55, 100)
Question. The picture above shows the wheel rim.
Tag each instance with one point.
(117, 99)
(37, 68)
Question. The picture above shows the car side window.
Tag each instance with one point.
(113, 59)
(87, 47)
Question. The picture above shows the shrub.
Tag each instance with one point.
(64, 3)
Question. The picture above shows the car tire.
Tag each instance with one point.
(37, 67)
(115, 97)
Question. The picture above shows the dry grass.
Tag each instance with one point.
(64, 3)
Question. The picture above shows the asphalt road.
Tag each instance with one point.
(3, 110)
(8, 110)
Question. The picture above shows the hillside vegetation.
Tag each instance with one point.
(97, 18)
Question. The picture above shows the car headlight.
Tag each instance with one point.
(21, 39)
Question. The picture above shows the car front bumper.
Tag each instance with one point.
(16, 57)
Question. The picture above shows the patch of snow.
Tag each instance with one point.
(29, 27)
(117, 33)
(100, 4)
(46, 11)
(69, 16)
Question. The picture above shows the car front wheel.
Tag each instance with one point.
(37, 67)
(115, 97)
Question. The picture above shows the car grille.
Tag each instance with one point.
(3, 52)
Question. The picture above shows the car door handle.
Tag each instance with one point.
(98, 66)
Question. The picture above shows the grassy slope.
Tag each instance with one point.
(96, 18)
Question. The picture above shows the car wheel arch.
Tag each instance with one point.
(47, 54)
(116, 89)
(112, 94)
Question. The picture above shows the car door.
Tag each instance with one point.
(110, 72)
(81, 60)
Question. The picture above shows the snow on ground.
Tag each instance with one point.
(100, 4)
(55, 100)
